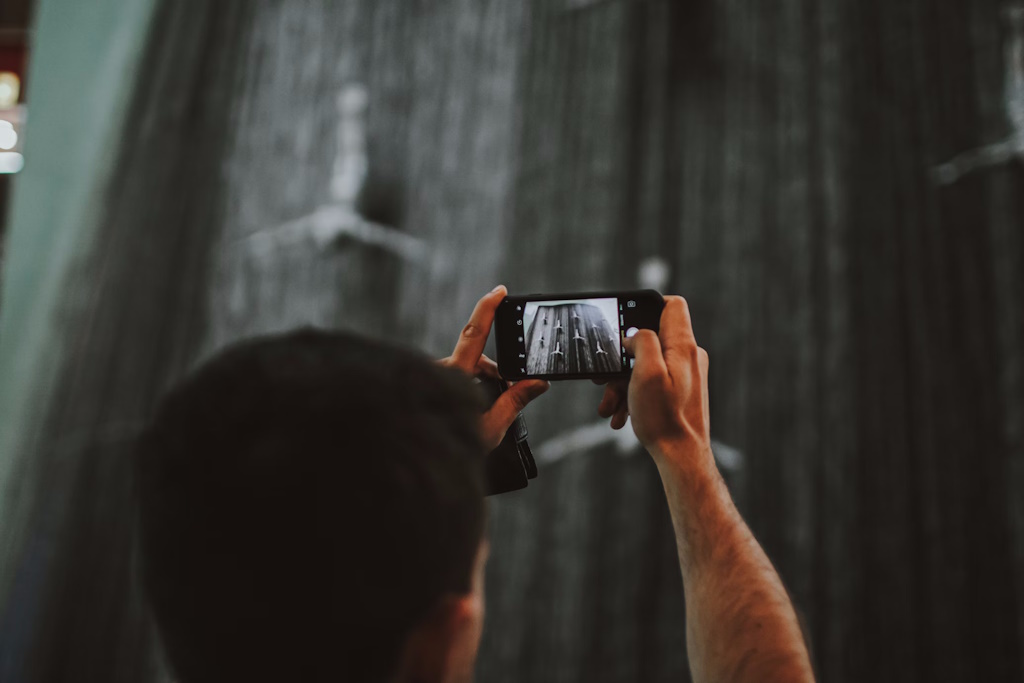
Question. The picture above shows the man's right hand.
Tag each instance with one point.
(740, 623)
(667, 395)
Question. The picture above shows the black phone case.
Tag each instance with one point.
(510, 466)
(503, 332)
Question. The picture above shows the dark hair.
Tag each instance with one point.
(305, 500)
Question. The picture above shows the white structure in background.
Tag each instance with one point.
(597, 434)
(8, 136)
(577, 5)
(341, 217)
(1012, 147)
(654, 273)
(12, 117)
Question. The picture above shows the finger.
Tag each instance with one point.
(705, 363)
(609, 402)
(627, 345)
(485, 367)
(619, 418)
(646, 349)
(502, 414)
(599, 382)
(676, 331)
(473, 338)
(615, 394)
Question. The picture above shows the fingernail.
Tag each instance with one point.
(495, 290)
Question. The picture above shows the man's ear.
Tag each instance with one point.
(442, 647)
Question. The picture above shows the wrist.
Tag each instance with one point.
(690, 478)
(684, 453)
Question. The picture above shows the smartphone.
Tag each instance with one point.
(571, 336)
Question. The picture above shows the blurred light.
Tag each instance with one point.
(8, 136)
(353, 99)
(654, 273)
(11, 162)
(10, 89)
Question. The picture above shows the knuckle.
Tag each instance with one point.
(644, 335)
(492, 436)
(647, 375)
(471, 330)
(518, 402)
(676, 300)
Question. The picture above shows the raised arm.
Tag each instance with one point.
(740, 623)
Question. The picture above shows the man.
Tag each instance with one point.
(312, 510)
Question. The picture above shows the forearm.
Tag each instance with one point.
(740, 623)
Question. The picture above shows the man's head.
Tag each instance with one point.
(311, 510)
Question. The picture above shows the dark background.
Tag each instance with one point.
(864, 322)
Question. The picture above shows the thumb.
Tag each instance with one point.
(503, 413)
(646, 349)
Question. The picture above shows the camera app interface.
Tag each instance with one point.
(580, 336)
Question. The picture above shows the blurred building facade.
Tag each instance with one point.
(377, 165)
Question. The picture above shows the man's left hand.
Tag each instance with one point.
(469, 357)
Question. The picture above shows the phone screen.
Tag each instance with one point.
(572, 337)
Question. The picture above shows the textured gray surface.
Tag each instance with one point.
(572, 338)
(864, 324)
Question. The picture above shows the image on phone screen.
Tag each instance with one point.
(579, 336)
